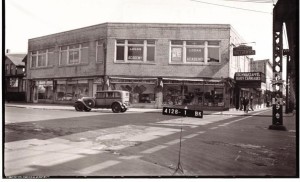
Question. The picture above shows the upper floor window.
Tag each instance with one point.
(194, 51)
(41, 58)
(12, 69)
(7, 68)
(135, 50)
(73, 54)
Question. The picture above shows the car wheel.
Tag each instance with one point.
(116, 107)
(79, 107)
(87, 109)
(124, 110)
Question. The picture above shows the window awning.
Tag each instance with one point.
(197, 81)
(128, 80)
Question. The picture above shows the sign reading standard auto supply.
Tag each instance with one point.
(243, 50)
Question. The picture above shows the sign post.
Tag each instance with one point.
(184, 113)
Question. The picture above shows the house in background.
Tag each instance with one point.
(15, 87)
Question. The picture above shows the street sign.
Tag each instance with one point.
(242, 52)
(182, 112)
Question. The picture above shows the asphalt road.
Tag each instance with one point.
(68, 143)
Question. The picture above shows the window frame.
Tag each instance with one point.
(143, 45)
(80, 48)
(37, 54)
(184, 47)
(7, 70)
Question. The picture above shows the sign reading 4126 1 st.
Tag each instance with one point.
(182, 112)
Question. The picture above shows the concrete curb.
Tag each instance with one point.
(71, 108)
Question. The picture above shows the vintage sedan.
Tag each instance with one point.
(117, 100)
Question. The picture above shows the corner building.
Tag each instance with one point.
(159, 64)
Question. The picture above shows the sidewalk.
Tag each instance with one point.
(131, 109)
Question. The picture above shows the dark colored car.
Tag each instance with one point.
(117, 100)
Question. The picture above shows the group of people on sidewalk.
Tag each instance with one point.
(246, 103)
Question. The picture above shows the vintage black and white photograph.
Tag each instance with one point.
(150, 89)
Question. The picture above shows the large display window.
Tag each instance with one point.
(193, 94)
(45, 90)
(71, 90)
(139, 93)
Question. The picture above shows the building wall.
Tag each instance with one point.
(163, 34)
(85, 35)
(237, 63)
(161, 67)
(265, 67)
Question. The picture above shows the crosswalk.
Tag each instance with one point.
(22, 156)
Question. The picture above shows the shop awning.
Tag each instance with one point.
(197, 81)
(132, 80)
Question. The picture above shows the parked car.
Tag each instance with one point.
(117, 100)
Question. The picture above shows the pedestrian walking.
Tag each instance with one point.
(251, 103)
(246, 103)
(242, 103)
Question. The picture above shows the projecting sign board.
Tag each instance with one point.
(182, 112)
(243, 52)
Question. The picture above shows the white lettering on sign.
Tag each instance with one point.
(135, 57)
(171, 111)
(135, 48)
(197, 114)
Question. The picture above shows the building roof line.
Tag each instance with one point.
(150, 25)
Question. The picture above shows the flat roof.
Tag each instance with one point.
(150, 25)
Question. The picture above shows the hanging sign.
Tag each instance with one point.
(243, 50)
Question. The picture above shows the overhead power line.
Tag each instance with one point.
(253, 1)
(231, 7)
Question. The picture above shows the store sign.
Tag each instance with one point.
(194, 54)
(243, 50)
(248, 76)
(135, 53)
(176, 54)
(182, 112)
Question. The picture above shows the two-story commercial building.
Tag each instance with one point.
(160, 64)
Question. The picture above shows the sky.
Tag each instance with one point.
(26, 19)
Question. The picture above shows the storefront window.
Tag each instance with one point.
(72, 90)
(213, 96)
(172, 95)
(61, 90)
(193, 94)
(45, 90)
(139, 93)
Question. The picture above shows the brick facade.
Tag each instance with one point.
(100, 43)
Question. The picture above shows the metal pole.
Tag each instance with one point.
(277, 118)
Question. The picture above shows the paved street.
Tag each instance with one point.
(63, 142)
